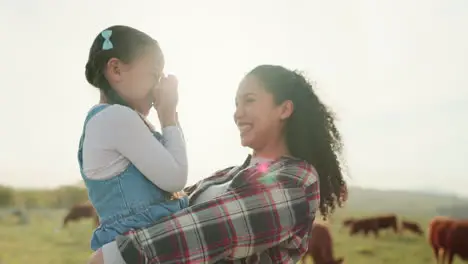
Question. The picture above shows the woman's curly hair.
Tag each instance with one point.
(311, 133)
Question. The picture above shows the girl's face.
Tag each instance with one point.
(135, 81)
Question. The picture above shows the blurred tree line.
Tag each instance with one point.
(459, 211)
(63, 197)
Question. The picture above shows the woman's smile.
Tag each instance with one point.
(244, 127)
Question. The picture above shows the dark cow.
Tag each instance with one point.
(321, 246)
(438, 228)
(347, 222)
(412, 227)
(79, 211)
(366, 226)
(457, 241)
(388, 221)
(373, 224)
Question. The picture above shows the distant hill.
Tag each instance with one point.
(402, 202)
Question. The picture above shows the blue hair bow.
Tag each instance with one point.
(107, 44)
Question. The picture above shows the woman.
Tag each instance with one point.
(263, 210)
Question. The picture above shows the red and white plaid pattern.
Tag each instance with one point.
(265, 217)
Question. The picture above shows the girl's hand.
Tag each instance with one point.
(165, 99)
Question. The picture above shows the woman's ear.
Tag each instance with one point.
(287, 108)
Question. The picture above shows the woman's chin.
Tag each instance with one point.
(245, 141)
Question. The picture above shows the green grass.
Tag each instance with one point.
(387, 248)
(40, 243)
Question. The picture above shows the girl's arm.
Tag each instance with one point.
(235, 225)
(122, 129)
(175, 140)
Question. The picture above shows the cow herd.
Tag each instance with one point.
(447, 237)
(375, 224)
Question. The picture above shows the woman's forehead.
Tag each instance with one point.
(250, 84)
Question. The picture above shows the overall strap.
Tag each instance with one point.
(91, 113)
(155, 133)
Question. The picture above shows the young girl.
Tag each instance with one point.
(129, 169)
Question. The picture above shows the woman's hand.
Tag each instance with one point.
(97, 257)
(165, 98)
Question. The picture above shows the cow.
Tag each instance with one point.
(438, 228)
(457, 241)
(347, 222)
(79, 211)
(321, 246)
(387, 221)
(365, 225)
(374, 224)
(412, 227)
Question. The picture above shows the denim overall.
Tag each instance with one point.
(127, 201)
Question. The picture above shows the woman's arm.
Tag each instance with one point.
(122, 129)
(233, 226)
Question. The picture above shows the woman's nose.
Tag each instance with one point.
(239, 113)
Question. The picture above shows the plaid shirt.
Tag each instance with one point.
(264, 217)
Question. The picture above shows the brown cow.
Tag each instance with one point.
(374, 224)
(365, 225)
(412, 227)
(347, 222)
(457, 241)
(79, 211)
(321, 246)
(388, 221)
(438, 228)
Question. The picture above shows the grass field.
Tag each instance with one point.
(39, 242)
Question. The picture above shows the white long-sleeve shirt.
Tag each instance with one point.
(117, 135)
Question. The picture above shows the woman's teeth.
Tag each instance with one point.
(244, 128)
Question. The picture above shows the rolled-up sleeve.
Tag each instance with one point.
(244, 221)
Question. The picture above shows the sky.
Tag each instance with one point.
(394, 71)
